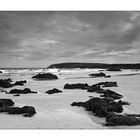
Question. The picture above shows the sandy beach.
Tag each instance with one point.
(54, 111)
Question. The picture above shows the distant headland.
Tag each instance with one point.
(94, 65)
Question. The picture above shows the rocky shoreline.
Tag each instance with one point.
(107, 104)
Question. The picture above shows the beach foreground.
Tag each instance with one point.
(55, 111)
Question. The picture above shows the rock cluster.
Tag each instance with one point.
(76, 86)
(54, 90)
(20, 91)
(101, 107)
(126, 119)
(5, 83)
(45, 76)
(6, 105)
(101, 74)
(20, 83)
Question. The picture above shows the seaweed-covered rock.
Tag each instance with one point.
(109, 99)
(20, 91)
(118, 120)
(26, 111)
(45, 76)
(107, 84)
(14, 110)
(6, 102)
(100, 106)
(110, 84)
(107, 76)
(54, 90)
(77, 104)
(94, 75)
(20, 83)
(6, 105)
(94, 88)
(76, 86)
(5, 83)
(29, 110)
(110, 93)
(123, 102)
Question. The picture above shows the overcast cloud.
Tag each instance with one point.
(34, 39)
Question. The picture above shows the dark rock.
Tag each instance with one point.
(99, 106)
(45, 76)
(6, 105)
(118, 120)
(108, 76)
(110, 93)
(133, 115)
(94, 88)
(20, 83)
(76, 86)
(28, 115)
(5, 83)
(16, 95)
(90, 96)
(14, 110)
(27, 111)
(107, 84)
(94, 75)
(110, 84)
(1, 72)
(113, 69)
(6, 102)
(77, 104)
(54, 90)
(123, 102)
(109, 99)
(20, 91)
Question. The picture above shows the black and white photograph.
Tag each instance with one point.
(69, 69)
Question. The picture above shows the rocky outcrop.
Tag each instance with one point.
(100, 107)
(45, 76)
(107, 84)
(6, 105)
(110, 84)
(54, 90)
(94, 75)
(94, 88)
(20, 91)
(5, 83)
(76, 86)
(118, 120)
(20, 83)
(94, 65)
(26, 111)
(110, 93)
(123, 102)
(6, 102)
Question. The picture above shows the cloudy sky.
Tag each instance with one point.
(38, 39)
